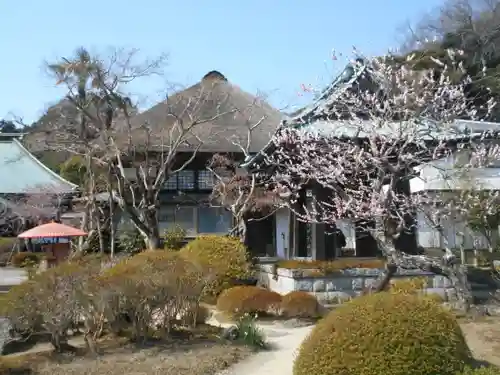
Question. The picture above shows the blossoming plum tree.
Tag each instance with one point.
(359, 157)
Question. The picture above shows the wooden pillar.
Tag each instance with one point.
(407, 240)
(318, 242)
(318, 231)
(292, 236)
(365, 244)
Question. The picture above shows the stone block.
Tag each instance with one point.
(319, 285)
(304, 285)
(362, 272)
(357, 283)
(430, 282)
(370, 282)
(451, 294)
(439, 291)
(440, 282)
(333, 298)
(285, 272)
(417, 273)
(339, 284)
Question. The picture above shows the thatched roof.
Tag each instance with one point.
(58, 129)
(225, 114)
(60, 117)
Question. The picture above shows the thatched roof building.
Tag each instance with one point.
(219, 114)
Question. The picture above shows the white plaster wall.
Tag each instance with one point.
(282, 217)
(347, 227)
(456, 235)
(445, 174)
(427, 236)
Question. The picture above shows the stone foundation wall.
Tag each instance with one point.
(344, 285)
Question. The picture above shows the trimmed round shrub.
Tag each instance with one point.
(241, 300)
(224, 258)
(385, 334)
(299, 304)
(408, 285)
(414, 285)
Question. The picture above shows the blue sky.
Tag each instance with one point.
(272, 46)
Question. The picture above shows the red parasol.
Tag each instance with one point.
(52, 230)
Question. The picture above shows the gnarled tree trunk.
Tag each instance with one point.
(448, 265)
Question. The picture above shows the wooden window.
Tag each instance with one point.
(182, 180)
(195, 219)
(183, 216)
(206, 180)
(186, 180)
(213, 220)
(171, 183)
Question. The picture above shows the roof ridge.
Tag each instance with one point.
(345, 79)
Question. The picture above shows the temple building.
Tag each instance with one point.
(298, 239)
(28, 188)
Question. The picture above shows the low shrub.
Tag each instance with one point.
(130, 241)
(196, 315)
(26, 259)
(385, 334)
(151, 288)
(7, 244)
(326, 267)
(241, 300)
(299, 304)
(20, 306)
(174, 238)
(224, 258)
(50, 302)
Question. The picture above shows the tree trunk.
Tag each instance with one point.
(112, 227)
(153, 234)
(448, 266)
(90, 343)
(385, 278)
(240, 230)
(111, 202)
(153, 242)
(99, 233)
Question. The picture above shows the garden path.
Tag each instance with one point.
(284, 340)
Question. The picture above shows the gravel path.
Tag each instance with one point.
(11, 276)
(285, 340)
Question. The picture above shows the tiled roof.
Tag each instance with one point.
(425, 131)
(22, 172)
(315, 118)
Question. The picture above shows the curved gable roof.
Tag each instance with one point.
(22, 172)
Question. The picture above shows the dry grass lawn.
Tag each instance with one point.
(197, 352)
(193, 359)
(198, 356)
